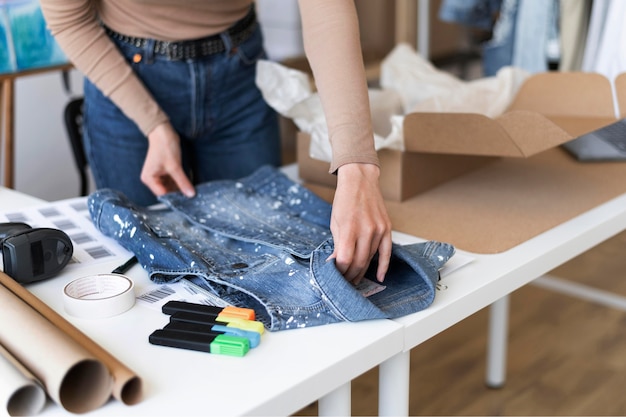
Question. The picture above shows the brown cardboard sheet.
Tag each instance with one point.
(503, 204)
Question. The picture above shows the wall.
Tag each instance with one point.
(44, 166)
(383, 23)
(281, 27)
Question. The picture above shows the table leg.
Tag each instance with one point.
(393, 389)
(497, 342)
(337, 402)
(8, 131)
(584, 292)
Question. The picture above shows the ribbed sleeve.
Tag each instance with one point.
(333, 48)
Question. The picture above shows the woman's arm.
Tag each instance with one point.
(359, 222)
(74, 23)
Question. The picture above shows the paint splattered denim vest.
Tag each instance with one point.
(262, 242)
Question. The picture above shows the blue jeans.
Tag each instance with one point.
(473, 13)
(262, 243)
(226, 128)
(537, 26)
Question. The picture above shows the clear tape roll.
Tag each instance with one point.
(99, 296)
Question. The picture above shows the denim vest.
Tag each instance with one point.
(262, 242)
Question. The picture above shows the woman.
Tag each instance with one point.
(170, 101)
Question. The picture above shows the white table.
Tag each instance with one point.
(293, 368)
(286, 372)
(488, 280)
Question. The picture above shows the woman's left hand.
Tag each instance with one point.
(359, 222)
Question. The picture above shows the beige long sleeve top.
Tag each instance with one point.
(331, 39)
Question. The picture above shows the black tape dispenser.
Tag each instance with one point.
(30, 255)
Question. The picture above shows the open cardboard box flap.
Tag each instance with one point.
(620, 93)
(517, 133)
(549, 109)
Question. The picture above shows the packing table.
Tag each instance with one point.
(286, 372)
(488, 281)
(293, 368)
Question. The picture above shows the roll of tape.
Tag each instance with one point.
(99, 296)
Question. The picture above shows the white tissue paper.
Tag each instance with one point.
(408, 84)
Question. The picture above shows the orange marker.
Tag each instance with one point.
(172, 307)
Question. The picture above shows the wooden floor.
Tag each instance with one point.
(566, 356)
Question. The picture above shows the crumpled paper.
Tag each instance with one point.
(424, 88)
(408, 83)
(290, 93)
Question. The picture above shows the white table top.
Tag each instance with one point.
(290, 369)
(489, 277)
(286, 372)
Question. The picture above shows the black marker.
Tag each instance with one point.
(221, 344)
(125, 266)
(185, 326)
(174, 306)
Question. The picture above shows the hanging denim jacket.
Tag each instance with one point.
(498, 51)
(262, 242)
(473, 13)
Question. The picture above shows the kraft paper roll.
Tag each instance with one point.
(20, 391)
(127, 386)
(71, 375)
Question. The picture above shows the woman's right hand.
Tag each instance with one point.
(162, 170)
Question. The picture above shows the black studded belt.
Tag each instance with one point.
(195, 48)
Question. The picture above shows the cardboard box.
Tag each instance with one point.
(549, 109)
(529, 185)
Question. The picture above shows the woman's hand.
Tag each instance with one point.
(162, 170)
(359, 222)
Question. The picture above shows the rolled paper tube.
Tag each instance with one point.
(20, 391)
(71, 375)
(127, 386)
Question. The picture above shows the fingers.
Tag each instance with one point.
(175, 181)
(162, 170)
(354, 254)
(164, 179)
(359, 223)
(384, 257)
